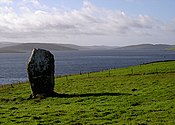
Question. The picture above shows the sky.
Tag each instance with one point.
(88, 22)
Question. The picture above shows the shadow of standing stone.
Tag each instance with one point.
(40, 70)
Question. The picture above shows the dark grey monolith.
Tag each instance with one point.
(40, 70)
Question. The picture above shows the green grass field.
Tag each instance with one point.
(172, 49)
(143, 94)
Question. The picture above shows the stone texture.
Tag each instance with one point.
(40, 70)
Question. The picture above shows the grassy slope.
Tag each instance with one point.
(142, 94)
(173, 49)
(23, 47)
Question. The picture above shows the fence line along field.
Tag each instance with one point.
(143, 94)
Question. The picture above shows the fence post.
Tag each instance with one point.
(66, 77)
(132, 71)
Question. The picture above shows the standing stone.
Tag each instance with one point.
(40, 70)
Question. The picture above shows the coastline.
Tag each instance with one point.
(87, 73)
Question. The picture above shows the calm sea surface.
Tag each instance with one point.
(13, 65)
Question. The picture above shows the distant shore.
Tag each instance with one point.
(23, 47)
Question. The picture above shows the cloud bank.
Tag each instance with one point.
(32, 21)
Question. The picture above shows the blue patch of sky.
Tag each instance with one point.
(161, 9)
(67, 4)
(158, 9)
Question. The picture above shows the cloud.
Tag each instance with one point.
(35, 22)
(170, 26)
(6, 1)
(34, 2)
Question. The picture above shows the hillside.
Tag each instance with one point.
(6, 44)
(172, 49)
(147, 47)
(23, 47)
(135, 95)
(100, 47)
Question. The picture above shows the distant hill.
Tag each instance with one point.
(6, 44)
(172, 49)
(99, 47)
(7, 47)
(72, 46)
(147, 47)
(23, 47)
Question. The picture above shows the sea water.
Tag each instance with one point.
(13, 65)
